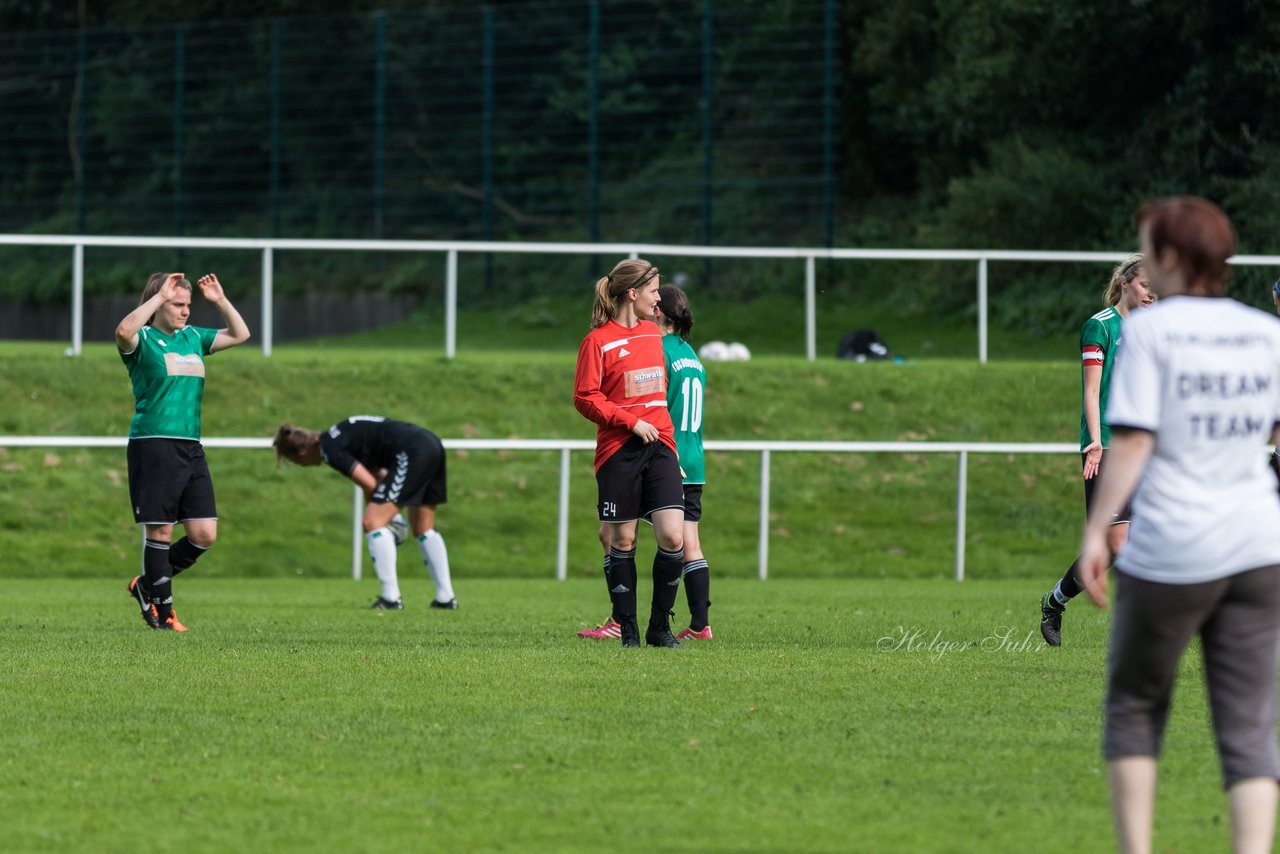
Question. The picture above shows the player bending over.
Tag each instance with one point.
(410, 464)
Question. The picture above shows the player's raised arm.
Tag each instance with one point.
(236, 331)
(127, 329)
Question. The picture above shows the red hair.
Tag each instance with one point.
(1198, 232)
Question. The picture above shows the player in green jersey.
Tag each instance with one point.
(1126, 290)
(169, 479)
(686, 385)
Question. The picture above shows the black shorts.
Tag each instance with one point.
(692, 502)
(639, 480)
(419, 476)
(169, 481)
(1125, 514)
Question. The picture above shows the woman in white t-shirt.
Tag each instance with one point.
(1195, 399)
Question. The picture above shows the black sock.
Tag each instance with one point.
(620, 575)
(666, 586)
(183, 554)
(697, 590)
(155, 564)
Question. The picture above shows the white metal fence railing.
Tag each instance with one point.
(566, 446)
(268, 246)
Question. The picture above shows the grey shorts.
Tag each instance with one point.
(1238, 621)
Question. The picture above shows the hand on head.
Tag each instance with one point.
(169, 290)
(211, 288)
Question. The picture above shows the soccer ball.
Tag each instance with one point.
(399, 529)
(738, 352)
(714, 351)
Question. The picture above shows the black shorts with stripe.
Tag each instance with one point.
(693, 502)
(169, 481)
(418, 476)
(637, 481)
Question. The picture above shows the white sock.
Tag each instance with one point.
(436, 556)
(382, 550)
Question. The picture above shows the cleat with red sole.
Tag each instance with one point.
(172, 624)
(690, 634)
(609, 629)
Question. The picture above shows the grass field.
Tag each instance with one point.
(870, 716)
(857, 701)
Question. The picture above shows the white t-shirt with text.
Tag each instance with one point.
(1203, 375)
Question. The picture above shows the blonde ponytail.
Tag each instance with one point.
(604, 308)
(1124, 273)
(612, 289)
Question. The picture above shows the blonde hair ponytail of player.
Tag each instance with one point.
(1124, 273)
(604, 309)
(612, 289)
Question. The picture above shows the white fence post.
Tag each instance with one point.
(982, 311)
(962, 491)
(268, 300)
(77, 300)
(562, 519)
(810, 309)
(763, 547)
(451, 304)
(357, 532)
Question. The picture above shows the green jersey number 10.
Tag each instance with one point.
(691, 411)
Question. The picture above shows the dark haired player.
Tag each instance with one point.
(686, 389)
(398, 465)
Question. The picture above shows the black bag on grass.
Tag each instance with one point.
(863, 345)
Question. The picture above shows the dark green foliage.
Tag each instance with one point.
(930, 123)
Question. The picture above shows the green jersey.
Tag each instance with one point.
(686, 380)
(167, 372)
(1098, 340)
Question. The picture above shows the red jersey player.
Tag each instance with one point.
(620, 384)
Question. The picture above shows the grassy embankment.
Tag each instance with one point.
(833, 515)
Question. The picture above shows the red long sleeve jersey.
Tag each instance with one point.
(621, 379)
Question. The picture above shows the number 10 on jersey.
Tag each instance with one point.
(691, 411)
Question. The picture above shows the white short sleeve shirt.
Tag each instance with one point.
(1203, 375)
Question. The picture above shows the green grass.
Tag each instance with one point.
(291, 719)
(832, 515)
(770, 325)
